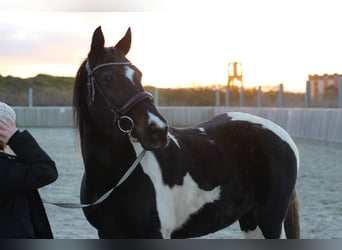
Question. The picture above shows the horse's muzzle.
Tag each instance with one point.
(157, 137)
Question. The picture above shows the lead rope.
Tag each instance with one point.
(105, 195)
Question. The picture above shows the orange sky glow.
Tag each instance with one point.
(282, 43)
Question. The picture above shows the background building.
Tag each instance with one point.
(235, 76)
(319, 84)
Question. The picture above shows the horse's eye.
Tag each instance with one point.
(108, 77)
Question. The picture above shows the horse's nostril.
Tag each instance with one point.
(157, 131)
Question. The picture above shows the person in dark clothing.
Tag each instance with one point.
(22, 214)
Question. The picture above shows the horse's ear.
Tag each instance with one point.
(125, 43)
(97, 43)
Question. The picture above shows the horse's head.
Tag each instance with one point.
(115, 97)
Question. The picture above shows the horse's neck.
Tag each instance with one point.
(112, 153)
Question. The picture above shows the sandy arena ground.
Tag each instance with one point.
(319, 188)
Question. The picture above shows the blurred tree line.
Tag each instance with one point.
(206, 96)
(47, 90)
(57, 91)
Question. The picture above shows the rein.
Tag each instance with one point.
(120, 114)
(105, 195)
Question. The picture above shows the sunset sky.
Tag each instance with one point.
(178, 43)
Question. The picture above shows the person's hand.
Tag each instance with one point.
(7, 129)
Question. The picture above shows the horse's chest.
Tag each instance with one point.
(176, 204)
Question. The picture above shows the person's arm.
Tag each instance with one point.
(31, 169)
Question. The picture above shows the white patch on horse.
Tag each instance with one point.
(173, 138)
(283, 235)
(176, 204)
(275, 128)
(257, 233)
(253, 234)
(202, 130)
(129, 73)
(153, 119)
(212, 142)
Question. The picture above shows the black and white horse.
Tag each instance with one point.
(191, 182)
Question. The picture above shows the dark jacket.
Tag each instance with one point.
(22, 214)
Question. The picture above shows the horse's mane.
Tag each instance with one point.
(79, 98)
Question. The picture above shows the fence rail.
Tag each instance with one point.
(331, 100)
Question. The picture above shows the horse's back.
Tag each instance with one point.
(268, 125)
(237, 134)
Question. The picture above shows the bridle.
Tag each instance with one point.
(120, 113)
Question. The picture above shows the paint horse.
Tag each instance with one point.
(192, 181)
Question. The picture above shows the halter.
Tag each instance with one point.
(119, 112)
